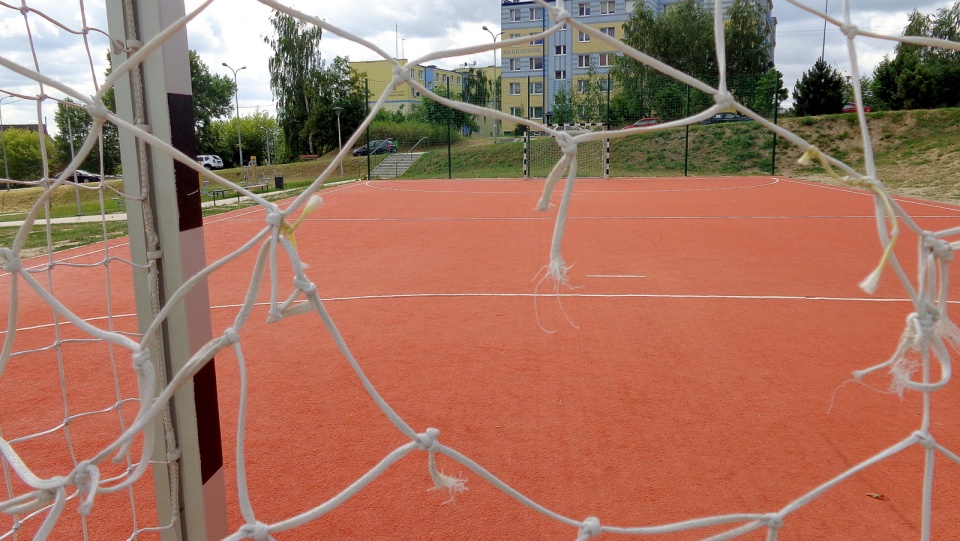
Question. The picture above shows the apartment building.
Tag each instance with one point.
(379, 73)
(535, 69)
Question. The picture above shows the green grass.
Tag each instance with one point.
(911, 150)
(63, 236)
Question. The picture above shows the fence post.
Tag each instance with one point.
(773, 153)
(366, 110)
(449, 136)
(609, 81)
(686, 138)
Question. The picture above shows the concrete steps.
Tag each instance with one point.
(395, 164)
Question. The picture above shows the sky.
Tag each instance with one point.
(233, 32)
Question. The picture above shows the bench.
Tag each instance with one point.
(221, 193)
(305, 157)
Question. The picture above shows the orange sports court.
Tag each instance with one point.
(698, 364)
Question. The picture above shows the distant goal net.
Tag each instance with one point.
(541, 152)
(109, 420)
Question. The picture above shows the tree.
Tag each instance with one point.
(79, 124)
(73, 120)
(23, 154)
(212, 98)
(293, 66)
(918, 76)
(745, 40)
(432, 112)
(591, 105)
(476, 88)
(682, 37)
(769, 93)
(819, 91)
(336, 85)
(258, 130)
(563, 104)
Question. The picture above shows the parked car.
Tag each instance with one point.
(725, 117)
(851, 107)
(646, 121)
(377, 147)
(83, 176)
(210, 161)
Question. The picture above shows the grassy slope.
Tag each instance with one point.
(917, 154)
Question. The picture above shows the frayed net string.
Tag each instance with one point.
(441, 481)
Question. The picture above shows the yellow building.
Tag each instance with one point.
(379, 73)
(405, 97)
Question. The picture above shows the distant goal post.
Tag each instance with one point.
(540, 152)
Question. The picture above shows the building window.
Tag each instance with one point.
(536, 63)
(608, 7)
(514, 36)
(583, 61)
(420, 75)
(582, 86)
(514, 64)
(584, 10)
(536, 14)
(606, 60)
(516, 111)
(582, 38)
(536, 112)
(560, 50)
(536, 88)
(560, 75)
(606, 84)
(610, 31)
(514, 89)
(536, 41)
(514, 15)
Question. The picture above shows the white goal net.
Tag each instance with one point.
(119, 457)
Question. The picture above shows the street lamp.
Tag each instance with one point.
(236, 90)
(496, 122)
(339, 140)
(494, 36)
(823, 45)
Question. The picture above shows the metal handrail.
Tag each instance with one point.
(396, 166)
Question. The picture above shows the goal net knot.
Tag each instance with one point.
(427, 441)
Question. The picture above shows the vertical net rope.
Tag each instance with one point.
(921, 363)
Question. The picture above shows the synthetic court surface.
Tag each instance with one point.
(699, 364)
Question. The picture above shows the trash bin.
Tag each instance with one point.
(278, 180)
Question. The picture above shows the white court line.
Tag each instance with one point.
(773, 181)
(552, 218)
(615, 276)
(847, 189)
(538, 295)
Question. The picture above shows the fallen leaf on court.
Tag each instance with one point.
(876, 496)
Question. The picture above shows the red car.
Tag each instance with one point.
(647, 121)
(852, 108)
